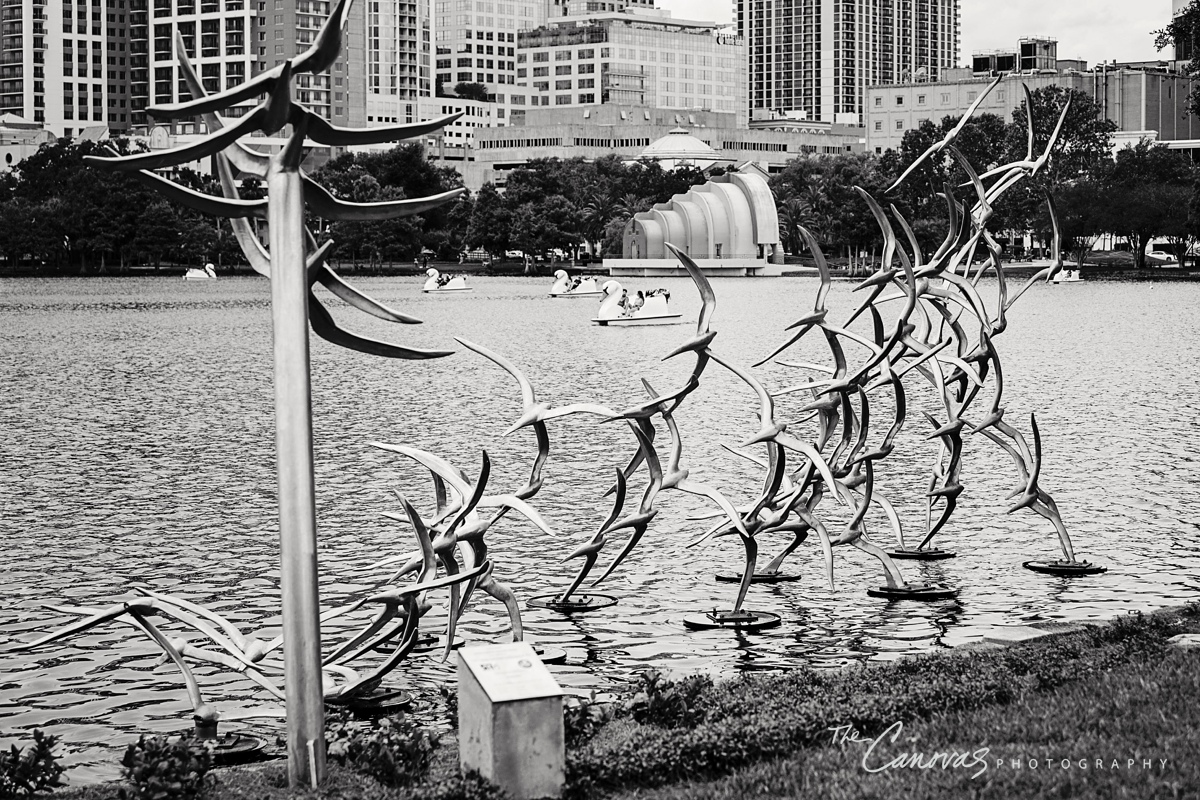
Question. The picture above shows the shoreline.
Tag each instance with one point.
(779, 734)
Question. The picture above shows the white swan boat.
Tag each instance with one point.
(444, 283)
(207, 273)
(1067, 275)
(580, 287)
(617, 308)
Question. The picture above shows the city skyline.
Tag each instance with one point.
(1099, 30)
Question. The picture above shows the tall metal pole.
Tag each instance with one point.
(297, 494)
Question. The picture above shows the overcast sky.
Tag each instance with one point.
(1094, 30)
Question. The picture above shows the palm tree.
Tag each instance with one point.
(794, 213)
(598, 209)
(629, 204)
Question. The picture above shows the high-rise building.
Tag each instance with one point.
(399, 48)
(1185, 48)
(476, 43)
(73, 64)
(64, 64)
(817, 57)
(636, 58)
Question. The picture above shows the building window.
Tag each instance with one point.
(899, 124)
(878, 125)
(562, 99)
(899, 99)
(920, 99)
(878, 101)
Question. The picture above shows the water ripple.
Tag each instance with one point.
(137, 449)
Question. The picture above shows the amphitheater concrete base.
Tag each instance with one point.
(712, 267)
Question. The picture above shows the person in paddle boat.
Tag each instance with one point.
(634, 304)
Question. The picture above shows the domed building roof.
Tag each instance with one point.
(680, 148)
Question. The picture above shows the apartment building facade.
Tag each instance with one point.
(817, 57)
(67, 65)
(635, 58)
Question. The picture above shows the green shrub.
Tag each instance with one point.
(25, 771)
(470, 786)
(392, 750)
(666, 703)
(582, 717)
(450, 698)
(695, 730)
(162, 768)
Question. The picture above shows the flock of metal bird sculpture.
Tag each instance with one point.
(945, 332)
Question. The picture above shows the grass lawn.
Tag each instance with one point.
(1115, 702)
(1144, 711)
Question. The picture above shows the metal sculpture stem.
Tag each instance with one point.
(294, 459)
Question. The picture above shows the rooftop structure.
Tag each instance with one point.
(19, 139)
(628, 132)
(1135, 99)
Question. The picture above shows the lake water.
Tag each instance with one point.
(137, 449)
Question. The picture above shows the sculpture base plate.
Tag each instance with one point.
(759, 577)
(740, 621)
(1067, 568)
(925, 592)
(574, 605)
(550, 655)
(379, 703)
(236, 748)
(928, 554)
(425, 644)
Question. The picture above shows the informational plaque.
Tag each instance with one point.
(510, 720)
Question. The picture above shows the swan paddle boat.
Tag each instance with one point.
(438, 282)
(580, 287)
(207, 273)
(649, 308)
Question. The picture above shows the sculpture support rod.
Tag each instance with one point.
(294, 459)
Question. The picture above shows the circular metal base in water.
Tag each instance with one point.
(236, 748)
(574, 605)
(550, 655)
(1067, 568)
(740, 620)
(759, 577)
(928, 554)
(926, 592)
(378, 703)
